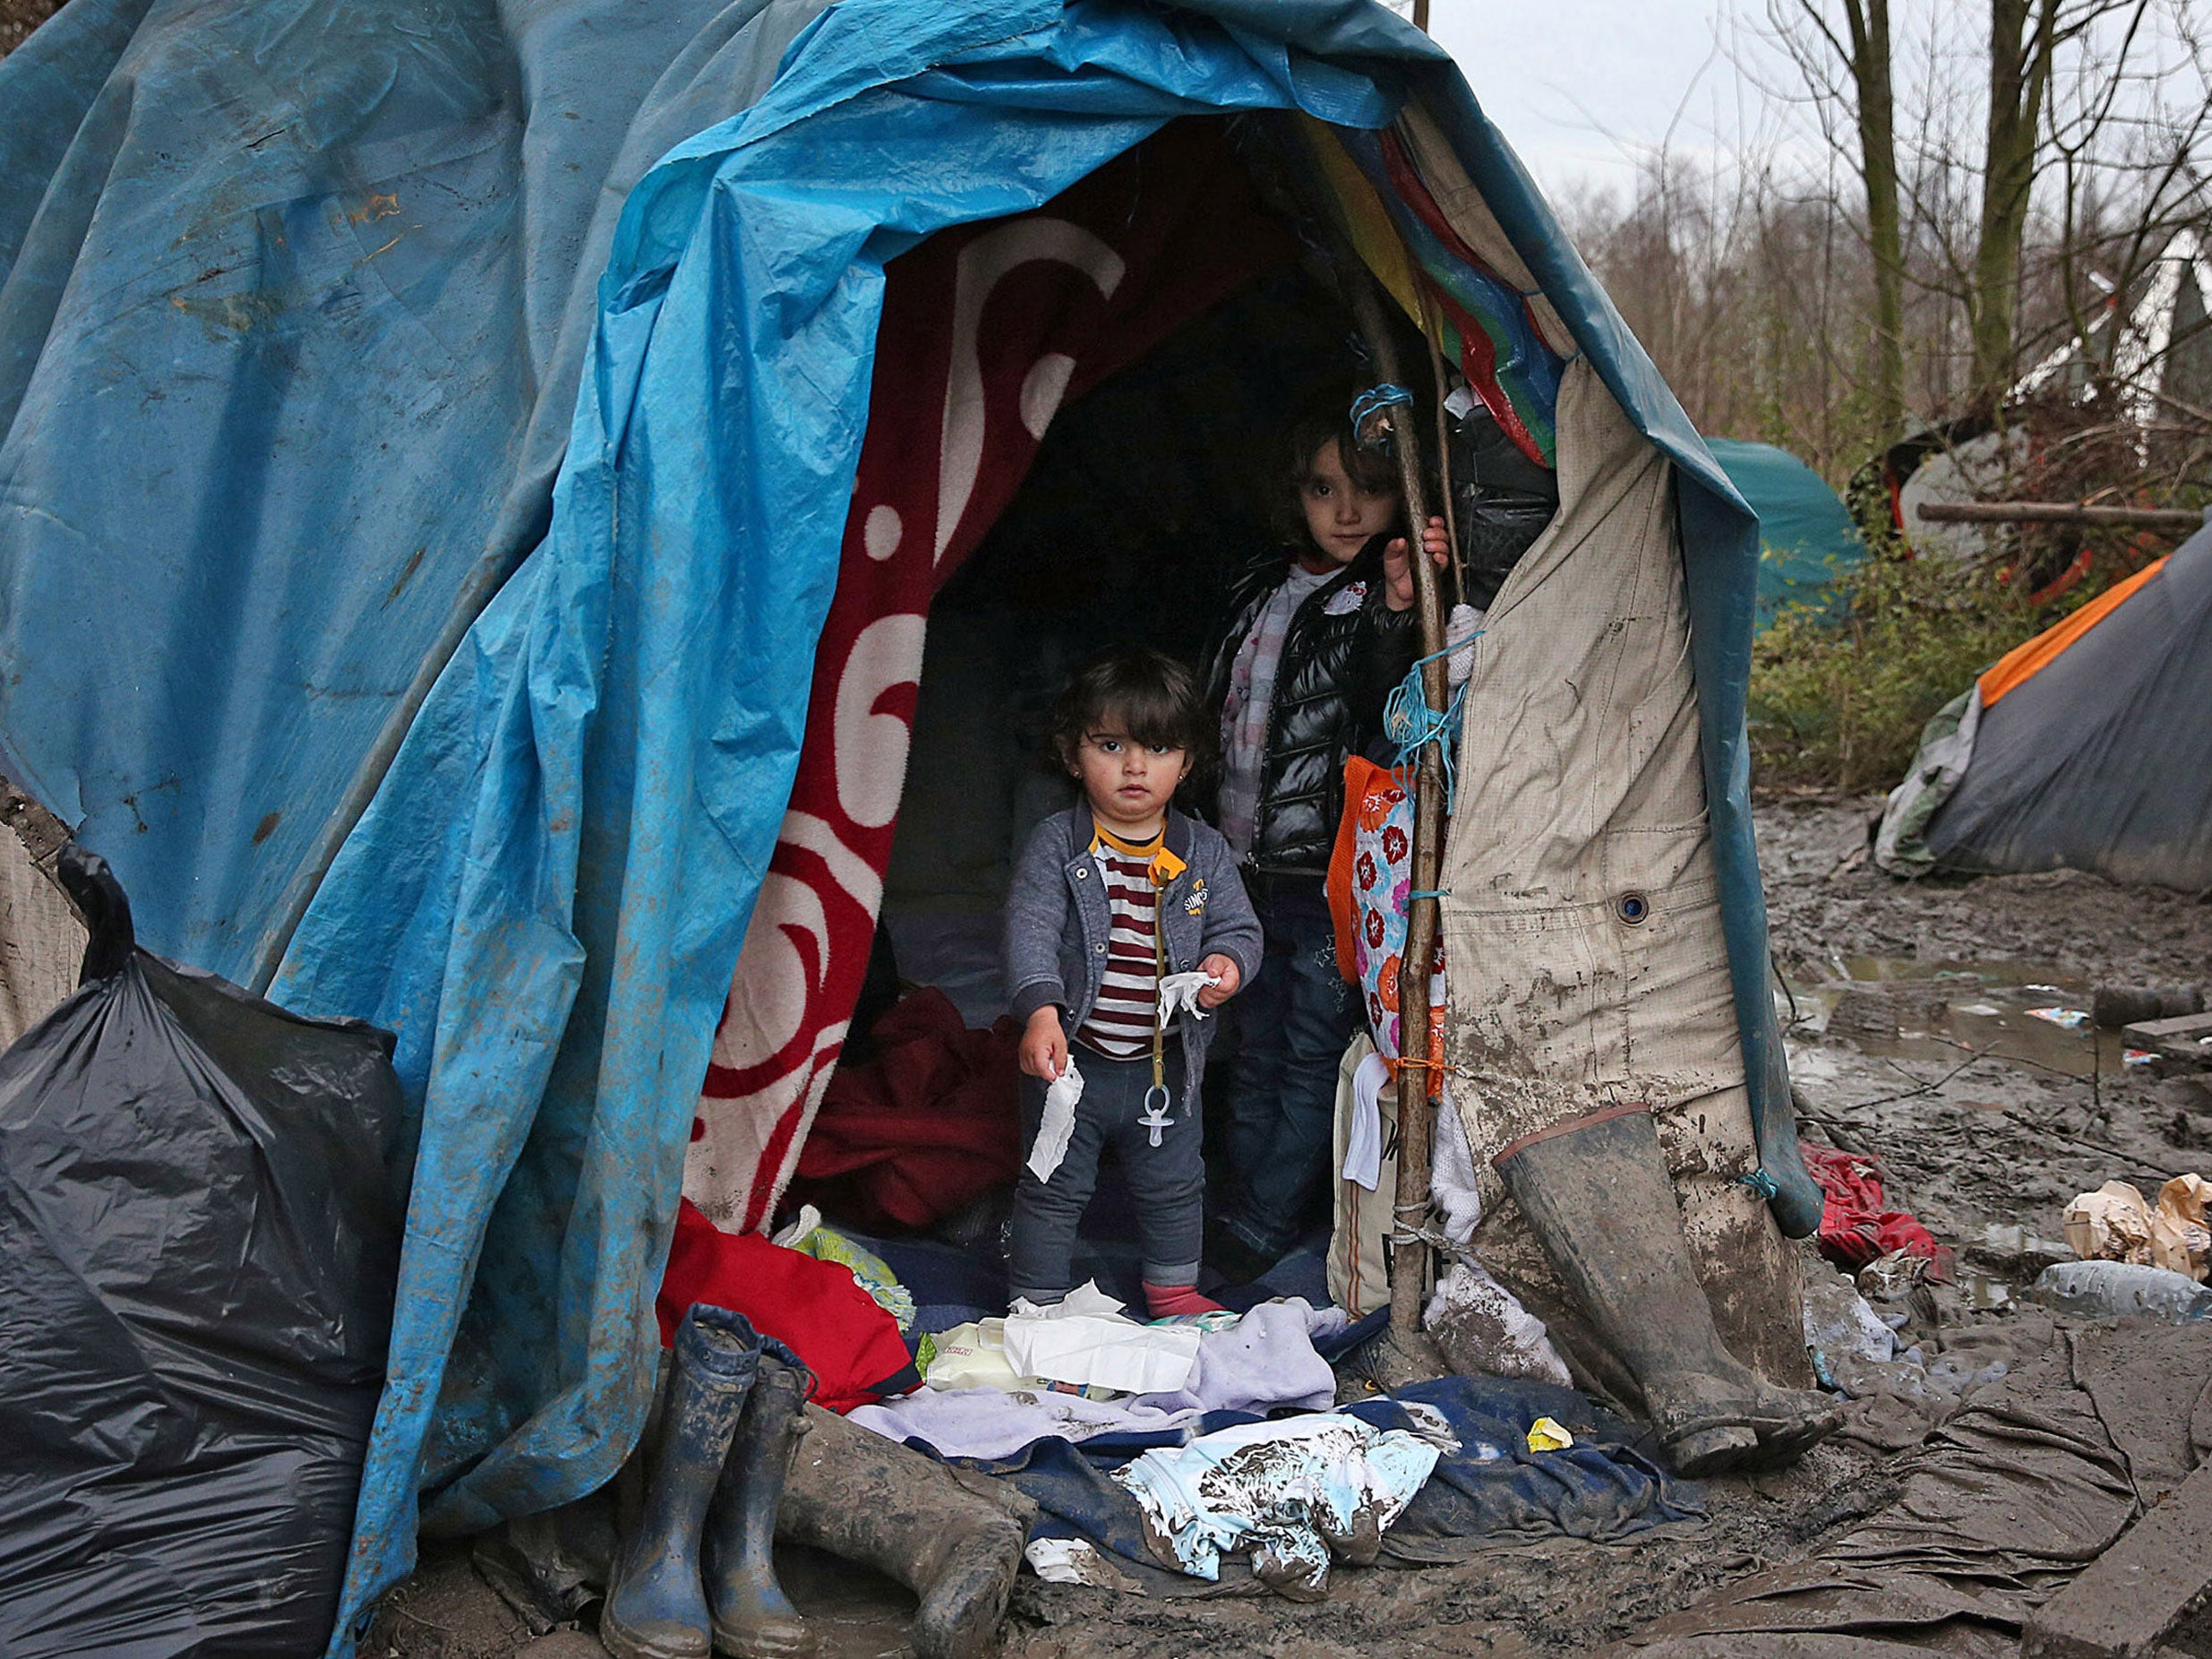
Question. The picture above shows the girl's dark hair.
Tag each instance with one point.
(1138, 691)
(1370, 469)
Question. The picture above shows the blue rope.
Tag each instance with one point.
(1410, 723)
(1371, 402)
(1761, 1182)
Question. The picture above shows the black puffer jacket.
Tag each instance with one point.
(1339, 663)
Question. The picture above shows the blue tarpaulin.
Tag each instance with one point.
(323, 324)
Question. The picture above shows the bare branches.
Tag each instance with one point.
(1939, 195)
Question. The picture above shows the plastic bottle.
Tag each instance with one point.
(2104, 1290)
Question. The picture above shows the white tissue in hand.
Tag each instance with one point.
(1058, 1126)
(1181, 990)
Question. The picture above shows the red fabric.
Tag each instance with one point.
(988, 328)
(1858, 1224)
(930, 1123)
(817, 1308)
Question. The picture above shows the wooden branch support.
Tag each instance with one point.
(1412, 1355)
(2060, 512)
(1416, 1085)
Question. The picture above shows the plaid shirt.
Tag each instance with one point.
(1250, 696)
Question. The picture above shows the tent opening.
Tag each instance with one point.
(1150, 494)
(1145, 501)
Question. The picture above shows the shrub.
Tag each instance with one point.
(1838, 698)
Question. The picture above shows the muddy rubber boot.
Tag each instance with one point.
(866, 1499)
(1597, 1193)
(753, 1619)
(656, 1606)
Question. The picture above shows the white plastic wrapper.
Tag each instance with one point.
(1087, 1341)
(1290, 1493)
(1363, 1146)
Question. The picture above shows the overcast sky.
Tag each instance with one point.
(1571, 82)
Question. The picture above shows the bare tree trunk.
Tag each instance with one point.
(1877, 126)
(2022, 36)
(1860, 51)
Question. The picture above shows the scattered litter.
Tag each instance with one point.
(2136, 1056)
(1548, 1434)
(2179, 1240)
(1067, 1560)
(1897, 1286)
(1483, 1331)
(1842, 1333)
(2104, 1290)
(1985, 1009)
(1858, 1224)
(2112, 1224)
(2116, 1223)
(1291, 1493)
(2011, 1246)
(1085, 1341)
(2072, 1018)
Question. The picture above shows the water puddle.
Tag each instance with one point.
(1901, 1007)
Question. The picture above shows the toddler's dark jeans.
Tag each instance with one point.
(1167, 1181)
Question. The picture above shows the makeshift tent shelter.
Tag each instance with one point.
(1806, 536)
(2149, 344)
(474, 482)
(2089, 747)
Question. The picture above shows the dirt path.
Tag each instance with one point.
(1913, 1042)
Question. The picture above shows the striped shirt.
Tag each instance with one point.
(1119, 1024)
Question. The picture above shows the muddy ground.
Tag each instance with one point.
(1984, 1116)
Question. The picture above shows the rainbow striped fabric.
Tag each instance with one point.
(1485, 323)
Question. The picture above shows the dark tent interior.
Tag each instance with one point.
(1148, 496)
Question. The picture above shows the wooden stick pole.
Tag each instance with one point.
(1409, 1255)
(1416, 1085)
(2059, 512)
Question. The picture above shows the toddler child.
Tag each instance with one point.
(1110, 899)
(1322, 629)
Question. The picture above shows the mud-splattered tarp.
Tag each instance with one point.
(1994, 1517)
(305, 306)
(1492, 1490)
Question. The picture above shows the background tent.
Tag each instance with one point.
(496, 392)
(1806, 536)
(2088, 747)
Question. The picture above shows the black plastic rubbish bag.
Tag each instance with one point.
(201, 1202)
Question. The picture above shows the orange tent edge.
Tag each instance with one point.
(2023, 663)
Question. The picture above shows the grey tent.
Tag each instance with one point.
(2089, 748)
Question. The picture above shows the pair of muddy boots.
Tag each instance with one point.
(700, 1570)
(1596, 1192)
